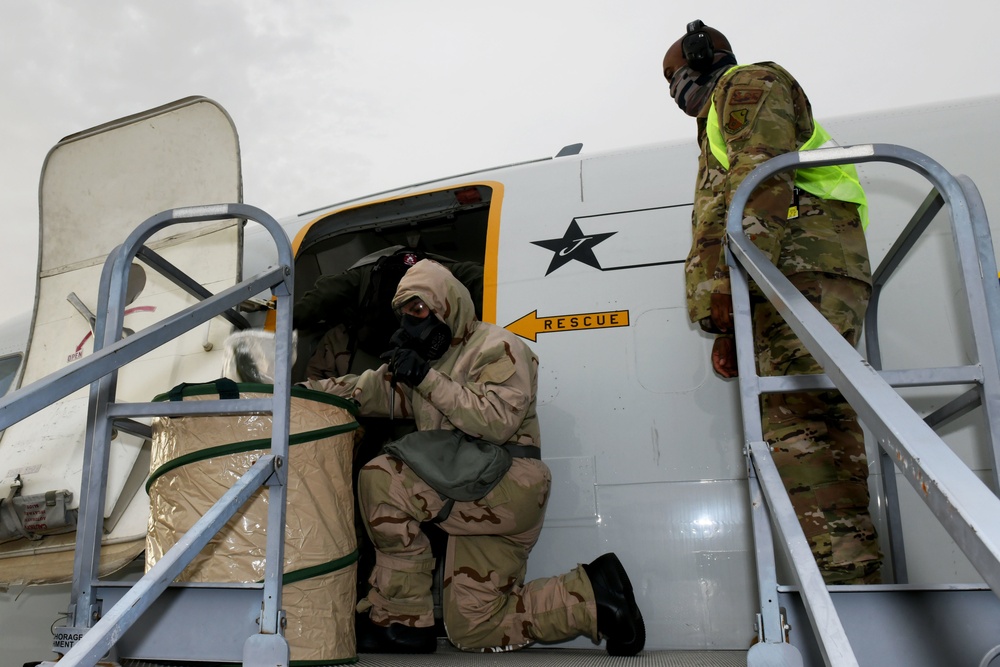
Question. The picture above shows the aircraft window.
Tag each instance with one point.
(8, 371)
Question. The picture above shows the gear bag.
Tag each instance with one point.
(456, 465)
(196, 458)
(35, 516)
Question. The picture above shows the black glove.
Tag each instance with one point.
(407, 366)
(399, 339)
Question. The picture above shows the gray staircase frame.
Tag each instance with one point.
(96, 630)
(961, 502)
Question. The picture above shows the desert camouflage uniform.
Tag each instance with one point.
(817, 443)
(485, 386)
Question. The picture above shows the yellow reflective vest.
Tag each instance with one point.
(838, 182)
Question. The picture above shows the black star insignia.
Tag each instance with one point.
(573, 245)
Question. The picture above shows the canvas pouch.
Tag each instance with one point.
(456, 465)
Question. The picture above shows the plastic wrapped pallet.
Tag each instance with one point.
(197, 459)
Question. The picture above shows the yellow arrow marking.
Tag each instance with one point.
(531, 325)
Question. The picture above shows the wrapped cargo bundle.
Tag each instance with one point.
(197, 459)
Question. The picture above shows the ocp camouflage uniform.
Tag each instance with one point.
(816, 441)
(485, 386)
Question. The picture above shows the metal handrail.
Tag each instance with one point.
(100, 639)
(963, 504)
(28, 400)
(100, 371)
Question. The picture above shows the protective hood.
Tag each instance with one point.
(447, 297)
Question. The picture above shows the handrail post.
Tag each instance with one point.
(974, 245)
(271, 620)
(919, 222)
(770, 629)
(93, 487)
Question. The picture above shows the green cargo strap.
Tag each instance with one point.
(523, 451)
(839, 182)
(445, 510)
(317, 570)
(206, 388)
(246, 446)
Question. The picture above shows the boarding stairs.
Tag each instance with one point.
(105, 617)
(894, 624)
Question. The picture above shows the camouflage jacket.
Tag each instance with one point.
(484, 385)
(763, 112)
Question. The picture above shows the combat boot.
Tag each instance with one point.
(619, 620)
(393, 638)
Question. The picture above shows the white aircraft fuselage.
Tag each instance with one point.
(583, 257)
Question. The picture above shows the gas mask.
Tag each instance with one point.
(429, 336)
(691, 89)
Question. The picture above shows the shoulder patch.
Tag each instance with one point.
(737, 120)
(745, 96)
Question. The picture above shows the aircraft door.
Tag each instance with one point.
(96, 186)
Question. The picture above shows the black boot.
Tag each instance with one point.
(393, 638)
(619, 620)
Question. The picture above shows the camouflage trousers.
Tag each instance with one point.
(486, 603)
(816, 441)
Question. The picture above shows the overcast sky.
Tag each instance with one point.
(336, 99)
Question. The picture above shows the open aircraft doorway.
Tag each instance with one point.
(458, 224)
